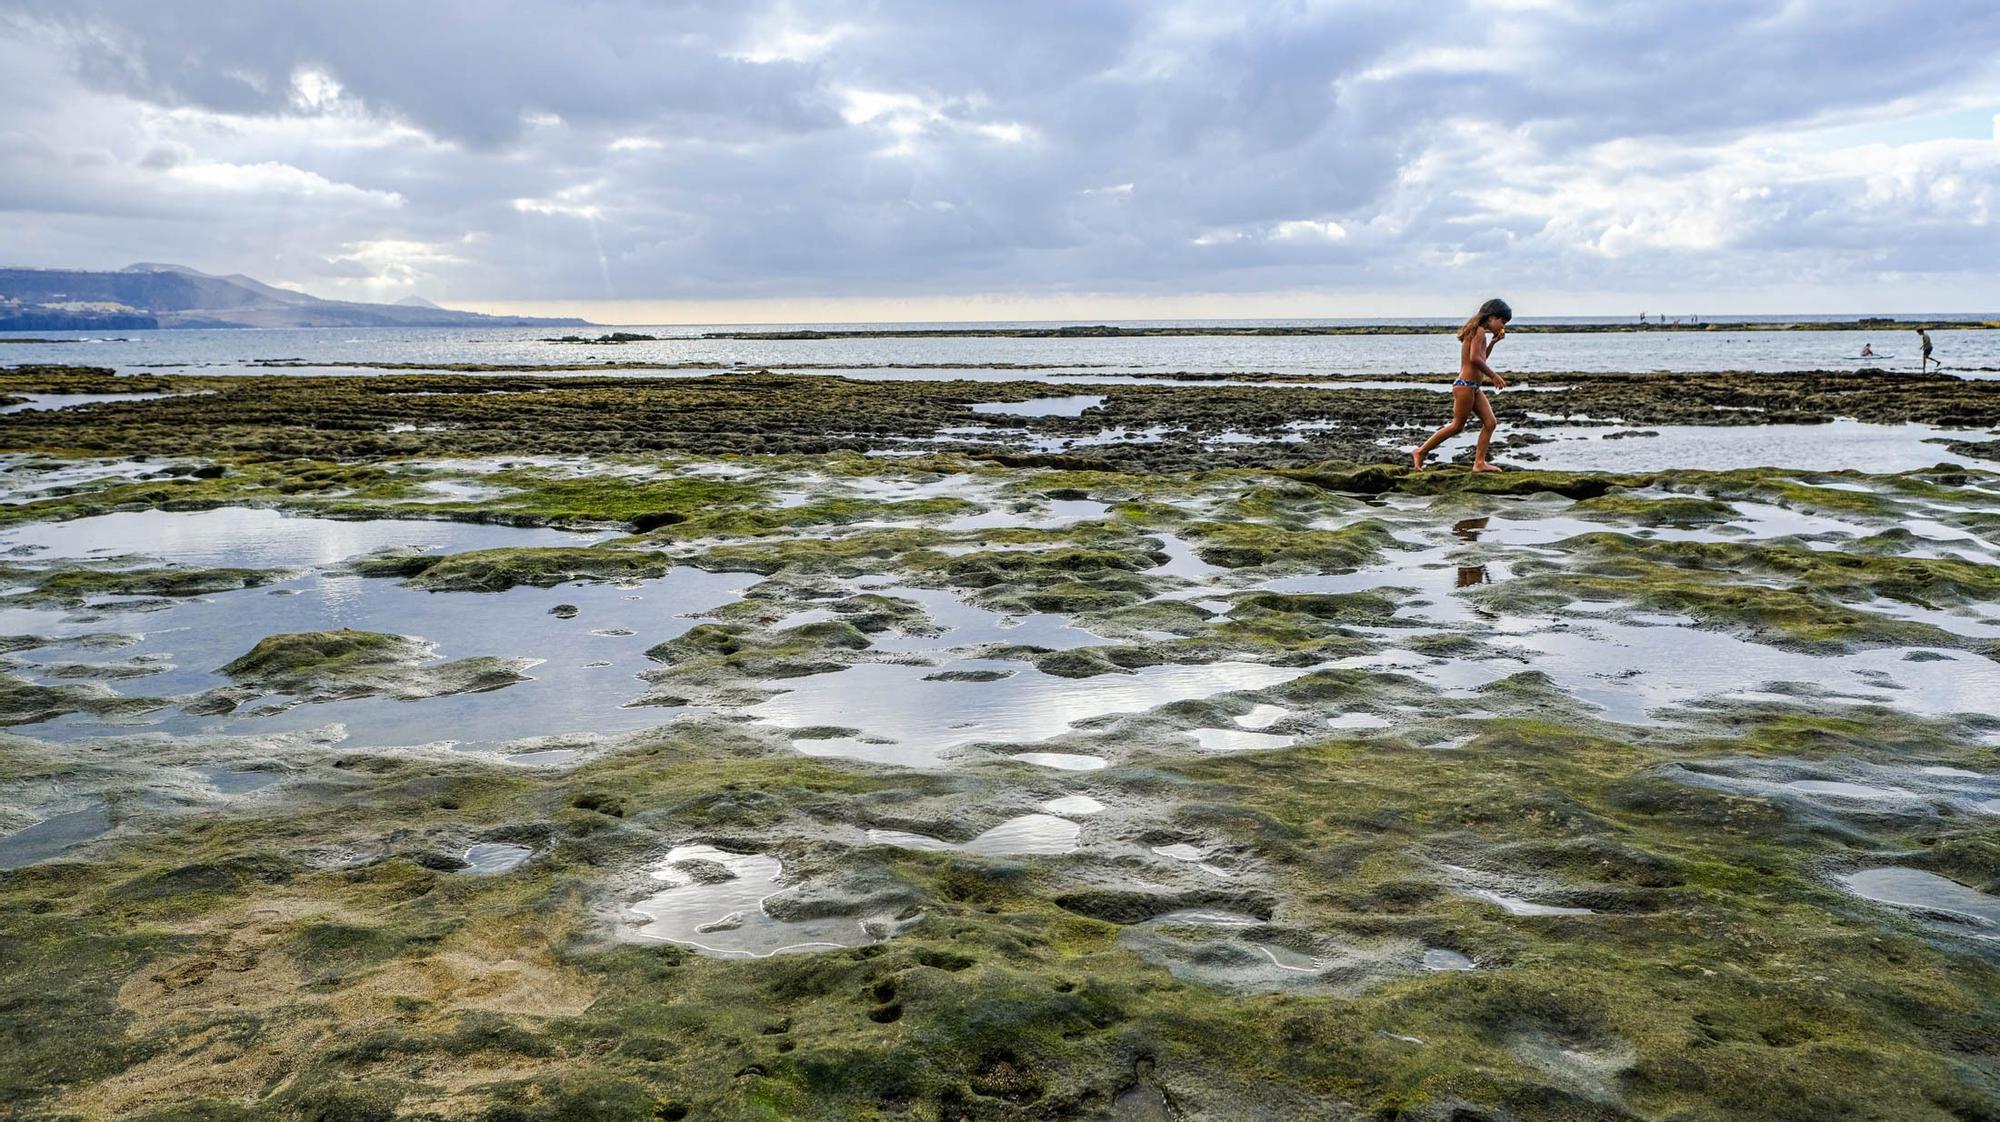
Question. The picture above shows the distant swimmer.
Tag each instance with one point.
(1491, 319)
(1925, 366)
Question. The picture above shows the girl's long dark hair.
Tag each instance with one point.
(1493, 307)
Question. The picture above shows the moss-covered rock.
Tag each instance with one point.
(496, 570)
(1237, 545)
(76, 585)
(325, 665)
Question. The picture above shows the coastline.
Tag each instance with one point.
(495, 746)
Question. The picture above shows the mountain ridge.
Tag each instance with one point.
(148, 295)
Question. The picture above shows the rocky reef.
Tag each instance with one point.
(533, 765)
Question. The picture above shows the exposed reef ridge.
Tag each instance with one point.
(543, 762)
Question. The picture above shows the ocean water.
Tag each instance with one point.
(1970, 353)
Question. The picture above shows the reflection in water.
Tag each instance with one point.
(51, 836)
(1928, 892)
(577, 687)
(908, 718)
(256, 538)
(1467, 529)
(493, 858)
(714, 902)
(1030, 834)
(1469, 575)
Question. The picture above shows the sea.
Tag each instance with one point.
(1970, 353)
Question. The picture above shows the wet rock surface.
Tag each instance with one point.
(1187, 426)
(836, 785)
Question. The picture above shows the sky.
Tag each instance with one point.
(664, 161)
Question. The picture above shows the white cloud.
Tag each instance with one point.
(568, 202)
(790, 43)
(313, 90)
(873, 147)
(1306, 230)
(273, 178)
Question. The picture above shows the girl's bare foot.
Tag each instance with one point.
(1484, 467)
(1417, 459)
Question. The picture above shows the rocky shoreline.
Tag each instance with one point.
(538, 748)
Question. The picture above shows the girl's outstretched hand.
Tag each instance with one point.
(1499, 383)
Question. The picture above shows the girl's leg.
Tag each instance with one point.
(1461, 404)
(1487, 423)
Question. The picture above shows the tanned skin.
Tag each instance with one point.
(1466, 400)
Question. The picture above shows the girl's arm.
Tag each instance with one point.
(1475, 355)
(1479, 348)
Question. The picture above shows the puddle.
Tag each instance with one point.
(1183, 562)
(1878, 789)
(726, 918)
(1356, 720)
(51, 836)
(967, 625)
(1201, 917)
(492, 858)
(564, 693)
(1240, 740)
(1028, 835)
(1215, 948)
(1851, 445)
(41, 401)
(921, 720)
(1070, 406)
(252, 537)
(1061, 761)
(1182, 851)
(1631, 671)
(1437, 958)
(1263, 716)
(1073, 804)
(28, 478)
(1846, 790)
(1515, 905)
(1927, 892)
(1059, 513)
(231, 782)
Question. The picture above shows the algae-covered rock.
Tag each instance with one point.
(325, 665)
(496, 570)
(1678, 510)
(76, 585)
(1237, 545)
(24, 702)
(713, 649)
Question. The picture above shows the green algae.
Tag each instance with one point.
(1722, 976)
(496, 570)
(26, 702)
(1005, 999)
(1776, 592)
(744, 652)
(1238, 545)
(1676, 511)
(322, 665)
(77, 585)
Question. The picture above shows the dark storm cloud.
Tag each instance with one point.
(530, 148)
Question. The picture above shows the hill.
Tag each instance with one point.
(150, 295)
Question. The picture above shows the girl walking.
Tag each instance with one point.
(1473, 347)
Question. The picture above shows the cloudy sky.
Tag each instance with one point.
(704, 160)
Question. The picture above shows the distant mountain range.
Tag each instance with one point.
(147, 295)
